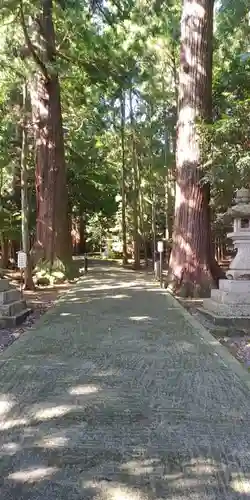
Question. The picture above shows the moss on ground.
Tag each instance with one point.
(58, 272)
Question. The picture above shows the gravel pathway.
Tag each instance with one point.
(115, 396)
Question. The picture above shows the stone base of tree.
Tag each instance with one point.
(58, 272)
(195, 284)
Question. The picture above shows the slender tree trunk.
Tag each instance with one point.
(14, 248)
(141, 216)
(4, 251)
(28, 281)
(136, 236)
(123, 187)
(191, 265)
(153, 200)
(154, 228)
(166, 165)
(167, 149)
(167, 179)
(3, 239)
(169, 190)
(82, 230)
(53, 223)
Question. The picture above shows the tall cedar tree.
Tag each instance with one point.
(52, 223)
(192, 269)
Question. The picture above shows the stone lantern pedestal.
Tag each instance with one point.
(13, 308)
(232, 300)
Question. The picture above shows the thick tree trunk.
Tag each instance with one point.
(53, 224)
(192, 267)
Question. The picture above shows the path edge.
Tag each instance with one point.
(208, 338)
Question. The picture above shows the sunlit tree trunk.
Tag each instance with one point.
(53, 225)
(192, 271)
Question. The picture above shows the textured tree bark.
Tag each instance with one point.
(192, 267)
(53, 224)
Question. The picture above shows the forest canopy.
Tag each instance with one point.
(96, 147)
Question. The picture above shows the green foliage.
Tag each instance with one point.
(104, 51)
(226, 141)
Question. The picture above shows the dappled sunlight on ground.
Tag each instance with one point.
(10, 449)
(81, 389)
(52, 442)
(117, 491)
(137, 467)
(116, 397)
(241, 486)
(141, 318)
(13, 423)
(6, 403)
(33, 474)
(53, 412)
(136, 474)
(111, 286)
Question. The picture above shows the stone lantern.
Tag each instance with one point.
(240, 265)
(232, 299)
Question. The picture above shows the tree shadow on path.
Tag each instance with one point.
(114, 396)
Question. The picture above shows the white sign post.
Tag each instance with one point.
(21, 260)
(160, 248)
(22, 264)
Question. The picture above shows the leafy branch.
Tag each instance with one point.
(30, 45)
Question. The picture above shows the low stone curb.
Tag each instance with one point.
(242, 322)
